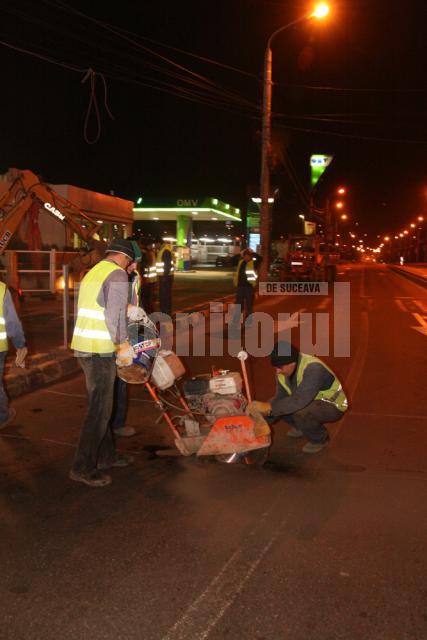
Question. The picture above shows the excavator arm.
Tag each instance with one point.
(27, 188)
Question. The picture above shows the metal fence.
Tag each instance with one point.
(35, 271)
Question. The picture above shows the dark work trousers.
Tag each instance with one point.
(147, 297)
(96, 445)
(165, 294)
(311, 419)
(120, 404)
(244, 298)
(4, 403)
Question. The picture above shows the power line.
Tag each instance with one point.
(354, 136)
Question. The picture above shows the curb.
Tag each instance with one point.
(43, 369)
(418, 279)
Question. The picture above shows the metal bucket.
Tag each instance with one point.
(146, 345)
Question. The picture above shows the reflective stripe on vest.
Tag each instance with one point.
(91, 333)
(160, 265)
(150, 273)
(91, 313)
(251, 274)
(3, 335)
(334, 394)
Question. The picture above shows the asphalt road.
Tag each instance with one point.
(324, 547)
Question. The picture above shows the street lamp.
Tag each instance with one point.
(319, 12)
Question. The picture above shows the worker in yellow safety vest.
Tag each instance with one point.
(308, 394)
(165, 268)
(100, 340)
(149, 275)
(245, 281)
(10, 327)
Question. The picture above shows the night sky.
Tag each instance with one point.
(354, 86)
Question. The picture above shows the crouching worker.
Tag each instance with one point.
(308, 396)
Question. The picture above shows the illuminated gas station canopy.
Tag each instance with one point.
(202, 208)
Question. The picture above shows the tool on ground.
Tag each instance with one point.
(243, 356)
(207, 414)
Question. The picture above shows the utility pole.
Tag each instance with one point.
(265, 221)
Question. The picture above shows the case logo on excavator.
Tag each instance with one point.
(55, 212)
(5, 239)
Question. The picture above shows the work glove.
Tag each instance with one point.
(259, 407)
(20, 357)
(136, 314)
(124, 355)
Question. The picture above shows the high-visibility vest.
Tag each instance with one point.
(149, 271)
(334, 394)
(91, 334)
(160, 265)
(251, 274)
(3, 334)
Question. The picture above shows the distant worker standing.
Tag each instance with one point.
(10, 327)
(149, 276)
(165, 269)
(308, 395)
(100, 340)
(245, 280)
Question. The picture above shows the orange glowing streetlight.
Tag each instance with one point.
(339, 204)
(386, 238)
(420, 219)
(320, 11)
(406, 232)
(341, 191)
(344, 216)
(412, 225)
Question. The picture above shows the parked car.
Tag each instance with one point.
(227, 261)
(278, 269)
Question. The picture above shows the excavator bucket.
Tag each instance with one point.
(234, 434)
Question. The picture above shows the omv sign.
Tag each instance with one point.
(187, 203)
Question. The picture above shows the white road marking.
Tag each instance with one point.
(422, 306)
(210, 607)
(356, 370)
(423, 323)
(79, 395)
(13, 437)
(63, 393)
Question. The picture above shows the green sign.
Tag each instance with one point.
(318, 164)
(252, 220)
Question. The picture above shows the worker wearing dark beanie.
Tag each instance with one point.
(308, 395)
(283, 353)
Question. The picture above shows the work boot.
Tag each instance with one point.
(294, 433)
(120, 460)
(10, 417)
(124, 432)
(92, 479)
(314, 447)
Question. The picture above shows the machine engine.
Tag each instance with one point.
(216, 396)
